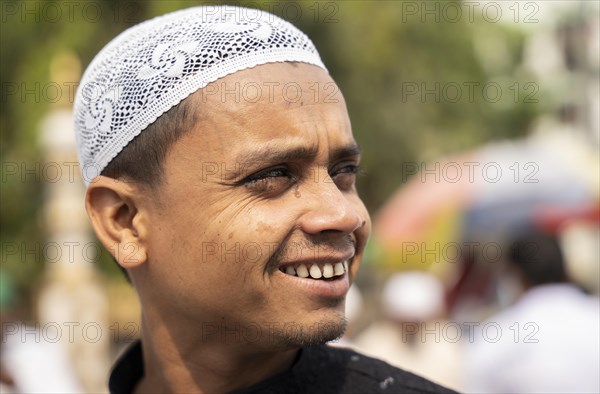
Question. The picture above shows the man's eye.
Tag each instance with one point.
(345, 176)
(269, 179)
(349, 169)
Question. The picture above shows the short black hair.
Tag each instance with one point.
(142, 160)
(539, 257)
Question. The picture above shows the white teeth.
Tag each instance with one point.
(290, 270)
(302, 271)
(315, 272)
(329, 270)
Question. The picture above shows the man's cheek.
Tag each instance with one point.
(234, 258)
(209, 251)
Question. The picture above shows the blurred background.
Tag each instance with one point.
(479, 123)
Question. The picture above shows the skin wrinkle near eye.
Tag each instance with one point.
(272, 155)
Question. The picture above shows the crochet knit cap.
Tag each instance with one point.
(154, 65)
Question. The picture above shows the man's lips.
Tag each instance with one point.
(308, 253)
(317, 278)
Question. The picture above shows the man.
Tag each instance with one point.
(227, 192)
(413, 308)
(547, 341)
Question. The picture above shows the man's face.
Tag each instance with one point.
(263, 185)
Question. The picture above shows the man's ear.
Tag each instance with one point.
(113, 207)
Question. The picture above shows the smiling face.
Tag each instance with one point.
(257, 202)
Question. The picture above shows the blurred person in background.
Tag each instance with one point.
(548, 340)
(32, 359)
(413, 333)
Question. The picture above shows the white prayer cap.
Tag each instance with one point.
(413, 296)
(153, 66)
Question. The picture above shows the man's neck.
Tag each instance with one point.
(184, 362)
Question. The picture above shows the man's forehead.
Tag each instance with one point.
(275, 130)
(262, 88)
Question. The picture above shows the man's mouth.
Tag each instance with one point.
(317, 271)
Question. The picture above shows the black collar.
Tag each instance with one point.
(321, 368)
(128, 370)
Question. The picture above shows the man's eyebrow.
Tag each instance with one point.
(273, 154)
(350, 150)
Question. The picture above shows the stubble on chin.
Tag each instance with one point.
(295, 335)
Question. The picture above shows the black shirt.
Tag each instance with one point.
(319, 369)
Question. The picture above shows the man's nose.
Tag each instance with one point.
(330, 210)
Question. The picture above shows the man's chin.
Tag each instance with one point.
(297, 335)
